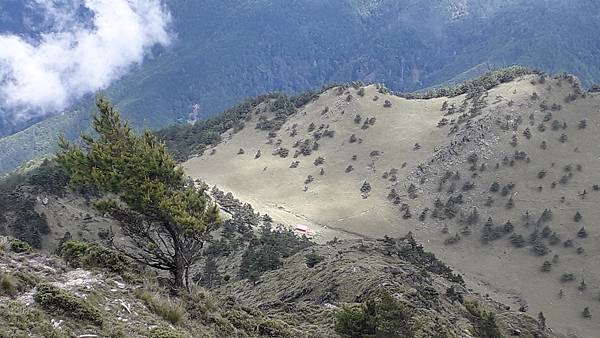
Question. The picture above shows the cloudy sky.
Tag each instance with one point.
(74, 57)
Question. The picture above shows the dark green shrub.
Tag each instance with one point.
(273, 328)
(19, 320)
(567, 277)
(484, 322)
(381, 315)
(353, 321)
(62, 302)
(164, 332)
(49, 177)
(79, 254)
(313, 259)
(9, 286)
(15, 283)
(19, 246)
(267, 251)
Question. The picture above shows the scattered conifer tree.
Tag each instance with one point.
(546, 266)
(164, 216)
(586, 313)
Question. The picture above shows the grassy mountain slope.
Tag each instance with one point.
(229, 50)
(497, 181)
(253, 281)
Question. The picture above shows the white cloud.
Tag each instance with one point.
(75, 58)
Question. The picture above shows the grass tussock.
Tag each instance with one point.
(170, 309)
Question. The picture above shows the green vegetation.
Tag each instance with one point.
(267, 251)
(79, 254)
(381, 316)
(165, 332)
(23, 222)
(484, 322)
(160, 212)
(62, 302)
(485, 82)
(18, 246)
(184, 141)
(13, 284)
(19, 320)
(8, 285)
(313, 259)
(171, 310)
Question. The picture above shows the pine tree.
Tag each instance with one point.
(540, 248)
(533, 237)
(542, 320)
(586, 313)
(210, 276)
(510, 204)
(546, 266)
(582, 286)
(508, 227)
(517, 240)
(546, 232)
(165, 217)
(495, 187)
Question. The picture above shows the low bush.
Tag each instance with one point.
(9, 286)
(19, 246)
(484, 322)
(19, 320)
(164, 332)
(62, 302)
(79, 254)
(381, 315)
(15, 283)
(313, 259)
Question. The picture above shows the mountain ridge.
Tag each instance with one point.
(495, 172)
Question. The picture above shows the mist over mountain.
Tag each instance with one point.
(66, 50)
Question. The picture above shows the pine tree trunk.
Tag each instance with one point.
(178, 270)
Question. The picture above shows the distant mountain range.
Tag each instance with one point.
(227, 50)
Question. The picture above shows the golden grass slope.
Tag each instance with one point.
(406, 141)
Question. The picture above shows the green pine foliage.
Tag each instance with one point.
(163, 215)
(184, 141)
(381, 315)
(80, 254)
(267, 251)
(484, 322)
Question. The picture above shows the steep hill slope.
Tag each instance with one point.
(405, 290)
(498, 182)
(228, 50)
